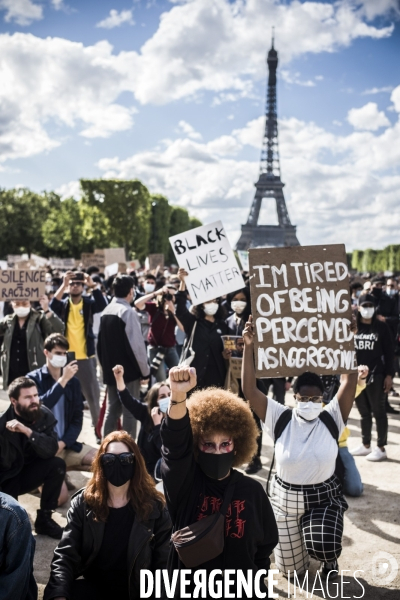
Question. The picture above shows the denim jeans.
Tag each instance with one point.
(171, 359)
(352, 479)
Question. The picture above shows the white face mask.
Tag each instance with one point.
(57, 361)
(390, 291)
(163, 404)
(210, 308)
(309, 410)
(149, 287)
(367, 312)
(22, 311)
(144, 389)
(238, 306)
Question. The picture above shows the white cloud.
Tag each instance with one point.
(220, 46)
(116, 19)
(189, 130)
(375, 90)
(200, 45)
(23, 12)
(367, 117)
(337, 186)
(59, 82)
(294, 78)
(72, 189)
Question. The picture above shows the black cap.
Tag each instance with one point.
(366, 299)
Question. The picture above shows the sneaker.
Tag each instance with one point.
(377, 455)
(361, 450)
(331, 569)
(394, 393)
(254, 466)
(45, 525)
(391, 411)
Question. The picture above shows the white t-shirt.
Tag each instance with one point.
(306, 452)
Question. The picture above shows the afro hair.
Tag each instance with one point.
(308, 379)
(215, 410)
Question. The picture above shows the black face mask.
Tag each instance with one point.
(118, 468)
(216, 466)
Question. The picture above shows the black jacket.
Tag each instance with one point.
(43, 441)
(50, 392)
(207, 342)
(149, 439)
(250, 526)
(82, 539)
(91, 305)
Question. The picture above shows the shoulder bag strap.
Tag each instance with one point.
(283, 421)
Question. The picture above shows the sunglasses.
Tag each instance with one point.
(308, 398)
(126, 458)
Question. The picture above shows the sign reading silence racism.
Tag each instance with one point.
(205, 253)
(22, 284)
(301, 309)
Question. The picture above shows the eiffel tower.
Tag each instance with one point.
(269, 184)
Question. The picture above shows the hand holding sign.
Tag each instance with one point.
(207, 263)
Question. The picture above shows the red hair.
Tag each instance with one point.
(142, 491)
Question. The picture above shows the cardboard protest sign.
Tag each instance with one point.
(39, 261)
(244, 259)
(235, 367)
(301, 309)
(62, 263)
(114, 255)
(22, 284)
(205, 253)
(156, 260)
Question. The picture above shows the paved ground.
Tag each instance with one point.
(372, 523)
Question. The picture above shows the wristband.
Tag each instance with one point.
(46, 312)
(175, 402)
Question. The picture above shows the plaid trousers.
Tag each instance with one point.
(310, 522)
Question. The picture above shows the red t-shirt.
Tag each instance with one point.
(162, 328)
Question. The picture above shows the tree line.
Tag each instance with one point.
(110, 213)
(376, 261)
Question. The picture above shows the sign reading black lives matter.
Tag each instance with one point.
(205, 253)
(301, 309)
(22, 284)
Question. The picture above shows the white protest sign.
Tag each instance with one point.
(205, 253)
(244, 259)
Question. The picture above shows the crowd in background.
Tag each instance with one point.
(107, 346)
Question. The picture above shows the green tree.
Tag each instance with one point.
(160, 225)
(194, 222)
(22, 214)
(63, 230)
(127, 207)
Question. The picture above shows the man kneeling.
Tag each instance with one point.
(60, 390)
(28, 444)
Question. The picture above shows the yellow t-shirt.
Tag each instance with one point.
(76, 330)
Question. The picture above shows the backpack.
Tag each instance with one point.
(284, 420)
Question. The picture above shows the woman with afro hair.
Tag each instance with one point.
(203, 439)
(306, 495)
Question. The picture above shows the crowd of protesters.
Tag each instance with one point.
(155, 374)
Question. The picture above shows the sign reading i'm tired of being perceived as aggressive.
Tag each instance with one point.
(22, 284)
(301, 309)
(205, 253)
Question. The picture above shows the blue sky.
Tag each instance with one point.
(173, 93)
